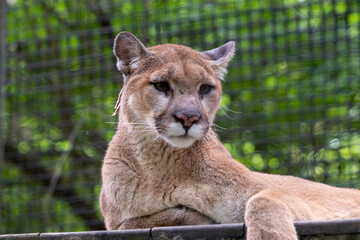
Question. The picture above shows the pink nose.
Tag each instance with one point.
(187, 121)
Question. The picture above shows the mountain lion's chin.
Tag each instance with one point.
(181, 141)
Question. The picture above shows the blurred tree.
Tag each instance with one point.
(294, 80)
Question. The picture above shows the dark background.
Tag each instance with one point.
(291, 101)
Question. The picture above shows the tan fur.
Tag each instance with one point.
(151, 178)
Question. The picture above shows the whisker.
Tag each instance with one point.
(152, 140)
(230, 110)
(218, 126)
(144, 136)
(225, 113)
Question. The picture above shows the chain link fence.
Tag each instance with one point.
(291, 101)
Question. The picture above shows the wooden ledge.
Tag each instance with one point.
(309, 230)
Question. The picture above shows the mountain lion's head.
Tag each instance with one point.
(170, 91)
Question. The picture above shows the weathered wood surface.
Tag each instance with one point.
(310, 230)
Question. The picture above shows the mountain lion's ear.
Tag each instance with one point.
(220, 57)
(128, 50)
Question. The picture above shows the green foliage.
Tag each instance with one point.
(291, 102)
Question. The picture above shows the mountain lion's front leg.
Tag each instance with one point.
(169, 217)
(270, 215)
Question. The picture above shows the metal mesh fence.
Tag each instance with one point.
(291, 101)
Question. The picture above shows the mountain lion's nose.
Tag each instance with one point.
(186, 120)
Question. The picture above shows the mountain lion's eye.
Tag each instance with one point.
(162, 86)
(205, 89)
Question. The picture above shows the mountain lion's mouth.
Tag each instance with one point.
(177, 136)
(182, 141)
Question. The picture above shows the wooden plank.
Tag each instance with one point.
(200, 232)
(136, 234)
(307, 230)
(347, 226)
(26, 236)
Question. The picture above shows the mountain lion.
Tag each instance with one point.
(165, 165)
